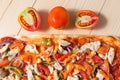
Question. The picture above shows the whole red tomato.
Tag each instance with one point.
(86, 19)
(58, 18)
(29, 19)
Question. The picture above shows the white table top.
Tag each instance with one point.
(108, 11)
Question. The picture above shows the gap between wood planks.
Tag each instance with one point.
(99, 14)
(5, 9)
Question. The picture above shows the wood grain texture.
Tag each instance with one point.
(4, 4)
(109, 23)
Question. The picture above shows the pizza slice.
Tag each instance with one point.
(59, 57)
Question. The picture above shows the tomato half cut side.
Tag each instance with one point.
(86, 19)
(29, 19)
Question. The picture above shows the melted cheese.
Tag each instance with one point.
(63, 42)
(99, 75)
(36, 69)
(29, 69)
(55, 73)
(31, 48)
(110, 55)
(12, 53)
(50, 69)
(61, 50)
(94, 46)
(57, 66)
(50, 49)
(75, 77)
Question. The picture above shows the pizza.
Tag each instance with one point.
(59, 57)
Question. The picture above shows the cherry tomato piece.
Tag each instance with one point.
(24, 78)
(4, 62)
(86, 19)
(58, 18)
(97, 60)
(7, 39)
(29, 19)
(43, 69)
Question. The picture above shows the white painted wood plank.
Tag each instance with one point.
(44, 6)
(95, 5)
(9, 24)
(4, 4)
(109, 19)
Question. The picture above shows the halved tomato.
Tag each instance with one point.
(86, 19)
(58, 18)
(29, 19)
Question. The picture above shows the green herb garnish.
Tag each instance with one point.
(60, 77)
(47, 63)
(75, 50)
(46, 42)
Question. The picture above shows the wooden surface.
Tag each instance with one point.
(108, 11)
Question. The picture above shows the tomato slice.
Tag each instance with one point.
(29, 19)
(86, 19)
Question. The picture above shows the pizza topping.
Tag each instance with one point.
(50, 49)
(36, 69)
(57, 66)
(12, 53)
(92, 46)
(102, 56)
(29, 69)
(3, 73)
(63, 60)
(75, 50)
(51, 69)
(4, 48)
(55, 73)
(46, 41)
(63, 42)
(99, 75)
(31, 48)
(14, 70)
(43, 69)
(37, 77)
(61, 50)
(75, 77)
(11, 77)
(110, 55)
(64, 46)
